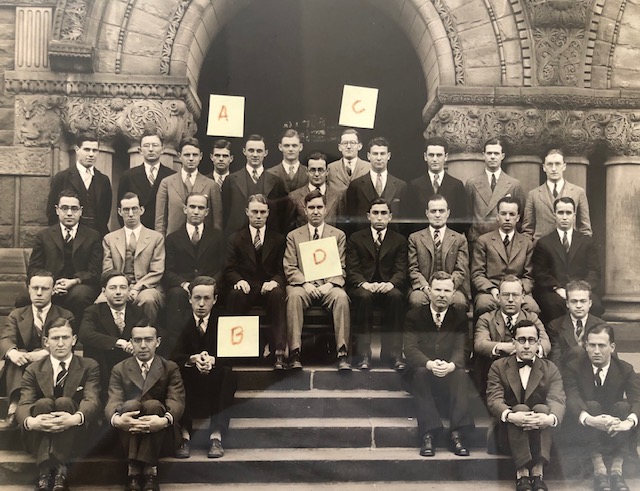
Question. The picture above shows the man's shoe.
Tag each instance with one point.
(538, 484)
(618, 483)
(44, 482)
(9, 422)
(399, 364)
(294, 360)
(60, 483)
(215, 450)
(184, 450)
(151, 483)
(364, 364)
(279, 364)
(343, 363)
(134, 483)
(601, 482)
(427, 449)
(523, 484)
(457, 447)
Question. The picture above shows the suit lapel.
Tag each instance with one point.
(185, 242)
(269, 182)
(154, 374)
(55, 233)
(534, 379)
(25, 324)
(143, 241)
(545, 197)
(79, 239)
(447, 243)
(369, 244)
(109, 323)
(247, 244)
(267, 246)
(501, 190)
(45, 378)
(498, 245)
(75, 179)
(387, 244)
(576, 243)
(178, 186)
(513, 377)
(120, 242)
(568, 332)
(501, 329)
(135, 375)
(390, 188)
(484, 190)
(427, 241)
(74, 377)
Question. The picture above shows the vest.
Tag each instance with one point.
(88, 200)
(68, 270)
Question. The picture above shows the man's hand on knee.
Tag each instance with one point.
(151, 424)
(126, 420)
(601, 422)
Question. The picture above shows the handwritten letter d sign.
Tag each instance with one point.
(238, 336)
(320, 259)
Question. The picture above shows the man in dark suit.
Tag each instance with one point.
(434, 343)
(292, 173)
(377, 272)
(436, 181)
(73, 253)
(60, 397)
(255, 275)
(209, 380)
(105, 331)
(560, 257)
(21, 340)
(91, 186)
(252, 179)
(376, 183)
(525, 394)
(221, 158)
(144, 180)
(146, 397)
(341, 173)
(603, 396)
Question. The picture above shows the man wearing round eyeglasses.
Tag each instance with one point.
(350, 167)
(524, 392)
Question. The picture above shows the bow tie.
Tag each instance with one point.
(525, 363)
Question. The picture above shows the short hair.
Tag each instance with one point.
(313, 195)
(495, 141)
(57, 322)
(68, 193)
(554, 150)
(221, 143)
(106, 277)
(437, 141)
(147, 133)
(259, 198)
(525, 323)
(440, 276)
(601, 327)
(564, 199)
(351, 131)
(86, 137)
(578, 285)
(144, 323)
(317, 156)
(202, 280)
(380, 141)
(290, 133)
(41, 273)
(510, 200)
(255, 138)
(194, 142)
(437, 197)
(379, 201)
(128, 195)
(510, 278)
(195, 193)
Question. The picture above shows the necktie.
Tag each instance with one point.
(254, 176)
(436, 239)
(187, 183)
(509, 325)
(87, 178)
(579, 330)
(379, 188)
(318, 189)
(152, 176)
(597, 378)
(435, 185)
(257, 243)
(378, 241)
(291, 173)
(67, 237)
(219, 182)
(347, 166)
(315, 234)
(133, 243)
(39, 321)
(201, 326)
(555, 190)
(525, 363)
(493, 182)
(506, 241)
(438, 320)
(62, 375)
(565, 242)
(145, 370)
(195, 238)
(120, 321)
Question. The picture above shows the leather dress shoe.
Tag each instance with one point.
(343, 363)
(618, 483)
(427, 449)
(365, 363)
(134, 483)
(60, 483)
(399, 364)
(279, 364)
(294, 360)
(538, 484)
(457, 447)
(44, 482)
(184, 450)
(151, 483)
(523, 484)
(601, 482)
(215, 450)
(9, 422)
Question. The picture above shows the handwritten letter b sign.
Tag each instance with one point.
(238, 336)
(320, 259)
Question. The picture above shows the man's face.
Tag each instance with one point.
(40, 290)
(554, 167)
(435, 157)
(599, 348)
(151, 149)
(69, 211)
(578, 303)
(379, 216)
(130, 211)
(290, 147)
(441, 294)
(528, 334)
(145, 342)
(437, 213)
(379, 156)
(317, 172)
(565, 216)
(315, 211)
(190, 157)
(87, 153)
(510, 297)
(60, 341)
(258, 214)
(493, 157)
(203, 298)
(221, 158)
(507, 217)
(255, 152)
(196, 209)
(349, 146)
(116, 292)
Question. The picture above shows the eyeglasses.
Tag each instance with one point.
(151, 145)
(349, 143)
(317, 171)
(522, 340)
(65, 208)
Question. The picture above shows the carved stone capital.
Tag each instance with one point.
(68, 50)
(39, 120)
(70, 57)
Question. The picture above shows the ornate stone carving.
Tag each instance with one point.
(454, 41)
(498, 34)
(121, 34)
(21, 161)
(558, 54)
(39, 120)
(614, 41)
(67, 49)
(70, 19)
(170, 36)
(567, 13)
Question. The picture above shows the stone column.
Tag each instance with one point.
(576, 172)
(525, 168)
(465, 165)
(622, 268)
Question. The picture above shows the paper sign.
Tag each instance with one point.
(358, 106)
(238, 336)
(226, 115)
(320, 259)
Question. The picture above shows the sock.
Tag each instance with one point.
(522, 472)
(133, 468)
(185, 435)
(61, 470)
(536, 470)
(598, 464)
(215, 434)
(616, 465)
(150, 470)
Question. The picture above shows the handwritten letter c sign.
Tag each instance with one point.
(358, 108)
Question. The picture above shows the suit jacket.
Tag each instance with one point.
(554, 268)
(292, 264)
(338, 178)
(148, 261)
(504, 388)
(539, 220)
(491, 263)
(362, 258)
(300, 178)
(184, 262)
(191, 341)
(361, 191)
(334, 206)
(86, 255)
(563, 340)
(455, 259)
(163, 383)
(423, 341)
(420, 190)
(491, 330)
(135, 180)
(171, 198)
(70, 179)
(482, 203)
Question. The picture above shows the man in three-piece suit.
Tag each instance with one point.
(538, 219)
(377, 273)
(292, 173)
(146, 397)
(436, 181)
(21, 340)
(437, 248)
(485, 190)
(603, 401)
(435, 339)
(560, 257)
(105, 331)
(255, 275)
(252, 179)
(138, 252)
(91, 186)
(144, 180)
(329, 291)
(173, 191)
(500, 253)
(73, 253)
(209, 381)
(525, 394)
(350, 167)
(60, 397)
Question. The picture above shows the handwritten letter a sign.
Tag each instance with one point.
(238, 336)
(320, 259)
(226, 115)
(358, 106)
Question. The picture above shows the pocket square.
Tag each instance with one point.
(507, 195)
(79, 388)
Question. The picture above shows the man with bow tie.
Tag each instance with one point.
(525, 396)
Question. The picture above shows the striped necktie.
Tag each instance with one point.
(62, 376)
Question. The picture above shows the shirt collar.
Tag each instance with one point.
(442, 230)
(442, 314)
(439, 175)
(510, 235)
(559, 184)
(82, 170)
(250, 169)
(584, 320)
(205, 319)
(561, 234)
(220, 176)
(374, 175)
(114, 312)
(45, 311)
(312, 228)
(286, 166)
(323, 188)
(605, 369)
(183, 174)
(74, 230)
(192, 228)
(497, 174)
(147, 362)
(532, 359)
(135, 231)
(374, 233)
(253, 231)
(55, 363)
(148, 167)
(514, 317)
